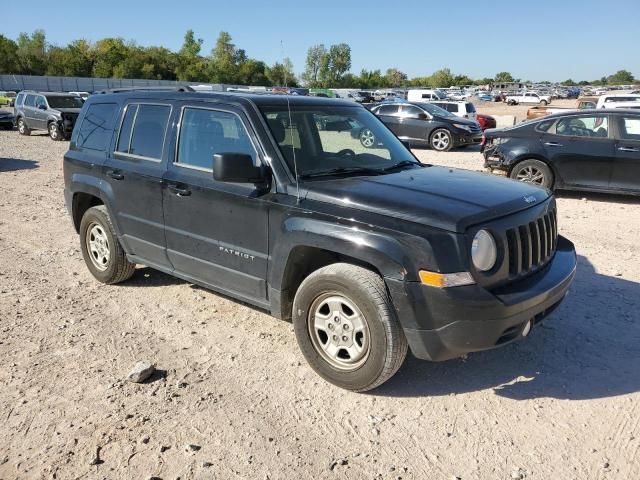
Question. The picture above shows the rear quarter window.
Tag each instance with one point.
(470, 108)
(94, 133)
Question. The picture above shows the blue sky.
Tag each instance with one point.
(532, 40)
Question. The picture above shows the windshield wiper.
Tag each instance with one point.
(403, 163)
(342, 171)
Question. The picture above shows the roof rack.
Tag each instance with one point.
(182, 88)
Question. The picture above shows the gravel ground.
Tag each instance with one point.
(233, 398)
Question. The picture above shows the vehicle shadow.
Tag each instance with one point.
(598, 197)
(149, 277)
(588, 348)
(14, 164)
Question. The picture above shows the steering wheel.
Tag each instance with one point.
(345, 151)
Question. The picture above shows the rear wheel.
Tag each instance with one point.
(346, 327)
(544, 103)
(103, 254)
(22, 127)
(367, 138)
(441, 140)
(533, 171)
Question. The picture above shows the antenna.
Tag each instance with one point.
(293, 147)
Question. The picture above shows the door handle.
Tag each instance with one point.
(115, 174)
(179, 191)
(553, 144)
(628, 149)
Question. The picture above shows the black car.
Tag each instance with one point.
(368, 251)
(596, 150)
(423, 124)
(6, 120)
(55, 113)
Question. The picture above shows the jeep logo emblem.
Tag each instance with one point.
(530, 199)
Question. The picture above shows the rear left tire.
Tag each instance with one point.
(101, 250)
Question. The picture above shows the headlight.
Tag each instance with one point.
(462, 127)
(483, 251)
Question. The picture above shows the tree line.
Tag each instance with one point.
(325, 67)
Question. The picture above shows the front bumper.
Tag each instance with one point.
(441, 324)
(7, 121)
(466, 138)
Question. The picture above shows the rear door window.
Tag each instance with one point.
(143, 130)
(97, 126)
(30, 101)
(470, 108)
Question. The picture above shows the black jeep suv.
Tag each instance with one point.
(368, 251)
(54, 112)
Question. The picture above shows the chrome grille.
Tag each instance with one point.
(530, 246)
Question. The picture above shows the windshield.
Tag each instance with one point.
(65, 102)
(330, 140)
(435, 110)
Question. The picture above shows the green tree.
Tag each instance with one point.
(223, 66)
(568, 83)
(371, 79)
(503, 77)
(281, 74)
(8, 56)
(394, 78)
(253, 72)
(32, 53)
(110, 53)
(621, 77)
(315, 57)
(442, 78)
(190, 64)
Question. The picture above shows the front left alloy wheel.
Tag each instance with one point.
(346, 327)
(54, 132)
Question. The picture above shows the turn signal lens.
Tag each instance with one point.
(446, 280)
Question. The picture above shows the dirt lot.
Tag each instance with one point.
(563, 404)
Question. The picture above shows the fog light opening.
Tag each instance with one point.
(527, 328)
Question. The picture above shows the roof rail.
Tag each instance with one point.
(182, 88)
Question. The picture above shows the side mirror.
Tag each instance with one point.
(423, 116)
(42, 107)
(237, 168)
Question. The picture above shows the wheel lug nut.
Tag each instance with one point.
(336, 319)
(345, 326)
(344, 338)
(335, 338)
(330, 326)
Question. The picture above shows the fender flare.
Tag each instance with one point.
(91, 185)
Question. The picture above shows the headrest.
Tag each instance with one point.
(277, 129)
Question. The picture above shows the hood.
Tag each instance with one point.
(449, 199)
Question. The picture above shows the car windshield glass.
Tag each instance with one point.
(65, 102)
(435, 110)
(335, 140)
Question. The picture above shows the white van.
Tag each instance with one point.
(423, 95)
(606, 101)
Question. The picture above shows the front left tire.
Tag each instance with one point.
(54, 132)
(346, 327)
(441, 140)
